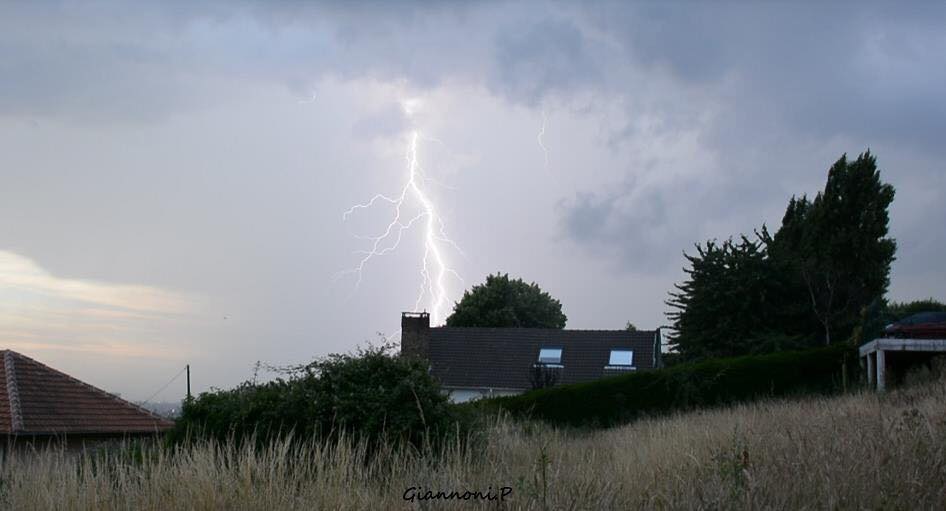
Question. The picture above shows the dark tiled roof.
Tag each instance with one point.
(503, 357)
(37, 399)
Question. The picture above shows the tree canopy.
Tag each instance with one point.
(720, 305)
(505, 302)
(809, 284)
(837, 244)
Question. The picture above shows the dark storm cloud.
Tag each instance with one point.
(88, 81)
(874, 70)
(113, 63)
(770, 76)
(117, 61)
(645, 229)
(596, 221)
(96, 60)
(782, 77)
(536, 59)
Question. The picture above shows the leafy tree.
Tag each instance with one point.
(722, 309)
(837, 244)
(505, 302)
(823, 272)
(793, 315)
(895, 311)
(630, 327)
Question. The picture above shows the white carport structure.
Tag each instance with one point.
(876, 360)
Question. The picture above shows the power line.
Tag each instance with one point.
(166, 385)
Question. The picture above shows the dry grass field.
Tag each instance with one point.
(858, 451)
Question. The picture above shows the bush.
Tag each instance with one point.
(619, 399)
(370, 395)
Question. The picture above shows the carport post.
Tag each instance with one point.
(881, 366)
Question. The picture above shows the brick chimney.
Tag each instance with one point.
(415, 335)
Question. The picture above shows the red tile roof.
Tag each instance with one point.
(37, 399)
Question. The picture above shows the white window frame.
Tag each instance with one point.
(558, 359)
(611, 360)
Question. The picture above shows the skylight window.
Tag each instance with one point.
(621, 358)
(550, 356)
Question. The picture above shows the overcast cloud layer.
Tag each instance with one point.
(174, 177)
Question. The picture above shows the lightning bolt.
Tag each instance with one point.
(545, 150)
(310, 99)
(435, 269)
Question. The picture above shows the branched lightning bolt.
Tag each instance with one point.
(434, 267)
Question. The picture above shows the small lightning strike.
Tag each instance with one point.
(310, 99)
(545, 150)
(434, 267)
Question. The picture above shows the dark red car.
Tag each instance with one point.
(925, 325)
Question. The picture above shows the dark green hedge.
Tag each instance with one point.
(370, 395)
(619, 399)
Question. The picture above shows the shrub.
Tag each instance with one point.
(370, 395)
(618, 399)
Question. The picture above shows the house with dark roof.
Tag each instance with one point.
(39, 403)
(484, 362)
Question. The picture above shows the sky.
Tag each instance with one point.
(179, 180)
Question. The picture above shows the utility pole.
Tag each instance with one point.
(188, 382)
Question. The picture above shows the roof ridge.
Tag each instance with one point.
(13, 393)
(124, 402)
(545, 329)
